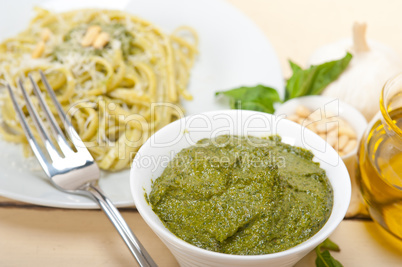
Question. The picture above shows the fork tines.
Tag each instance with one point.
(58, 134)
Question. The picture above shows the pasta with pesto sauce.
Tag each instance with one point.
(118, 77)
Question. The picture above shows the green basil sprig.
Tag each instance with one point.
(258, 98)
(324, 258)
(311, 81)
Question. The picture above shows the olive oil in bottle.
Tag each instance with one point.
(380, 172)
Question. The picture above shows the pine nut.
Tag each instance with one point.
(315, 116)
(311, 127)
(294, 118)
(343, 140)
(90, 36)
(321, 127)
(39, 49)
(303, 112)
(350, 146)
(332, 140)
(333, 133)
(323, 136)
(306, 122)
(331, 125)
(336, 147)
(45, 34)
(346, 130)
(342, 122)
(102, 39)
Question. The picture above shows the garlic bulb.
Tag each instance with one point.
(371, 66)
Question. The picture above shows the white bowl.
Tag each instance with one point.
(154, 155)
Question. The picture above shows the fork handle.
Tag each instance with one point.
(139, 252)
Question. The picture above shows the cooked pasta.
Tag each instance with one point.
(118, 77)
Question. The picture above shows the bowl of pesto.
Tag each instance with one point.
(239, 188)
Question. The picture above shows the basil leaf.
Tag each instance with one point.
(301, 81)
(258, 98)
(255, 106)
(294, 66)
(324, 259)
(329, 72)
(313, 80)
(330, 245)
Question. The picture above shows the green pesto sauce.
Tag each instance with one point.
(117, 31)
(243, 195)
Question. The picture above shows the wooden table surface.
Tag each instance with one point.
(39, 236)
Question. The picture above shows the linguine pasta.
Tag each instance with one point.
(118, 77)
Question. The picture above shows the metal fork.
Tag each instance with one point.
(72, 171)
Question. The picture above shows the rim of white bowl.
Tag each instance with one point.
(350, 110)
(315, 240)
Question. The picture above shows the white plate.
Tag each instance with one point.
(233, 52)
